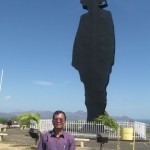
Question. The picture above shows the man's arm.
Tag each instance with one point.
(41, 145)
(72, 144)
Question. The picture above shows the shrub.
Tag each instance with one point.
(107, 121)
(26, 117)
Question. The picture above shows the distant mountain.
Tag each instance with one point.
(79, 115)
(122, 118)
(6, 115)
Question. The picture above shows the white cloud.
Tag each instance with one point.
(6, 98)
(66, 82)
(43, 83)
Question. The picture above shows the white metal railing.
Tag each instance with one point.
(47, 124)
(139, 127)
(90, 129)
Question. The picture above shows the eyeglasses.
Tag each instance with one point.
(59, 119)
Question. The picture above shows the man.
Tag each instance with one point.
(57, 139)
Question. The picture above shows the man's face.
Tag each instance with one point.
(59, 121)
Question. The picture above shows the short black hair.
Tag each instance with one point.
(59, 112)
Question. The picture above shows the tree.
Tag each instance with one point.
(2, 120)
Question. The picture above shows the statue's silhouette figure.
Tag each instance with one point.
(93, 54)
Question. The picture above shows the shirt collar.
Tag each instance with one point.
(52, 133)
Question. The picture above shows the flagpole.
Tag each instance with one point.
(1, 80)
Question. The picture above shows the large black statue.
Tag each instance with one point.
(93, 54)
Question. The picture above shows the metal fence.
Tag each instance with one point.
(90, 129)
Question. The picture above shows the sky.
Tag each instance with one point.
(36, 41)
